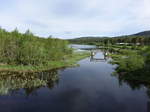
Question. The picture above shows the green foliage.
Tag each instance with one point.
(128, 61)
(146, 53)
(130, 40)
(27, 49)
(133, 66)
(131, 62)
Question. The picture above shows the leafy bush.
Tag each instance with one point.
(131, 61)
(27, 49)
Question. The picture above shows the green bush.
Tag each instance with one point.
(130, 61)
(27, 49)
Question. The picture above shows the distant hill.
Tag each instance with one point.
(144, 33)
(141, 37)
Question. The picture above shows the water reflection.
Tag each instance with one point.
(11, 82)
(131, 72)
(135, 84)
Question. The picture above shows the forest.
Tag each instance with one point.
(142, 38)
(27, 49)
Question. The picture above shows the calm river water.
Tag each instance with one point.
(91, 87)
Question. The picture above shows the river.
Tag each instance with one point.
(90, 87)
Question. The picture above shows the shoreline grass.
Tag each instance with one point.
(69, 62)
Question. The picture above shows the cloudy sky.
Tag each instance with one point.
(75, 18)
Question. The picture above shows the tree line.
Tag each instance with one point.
(27, 49)
(132, 40)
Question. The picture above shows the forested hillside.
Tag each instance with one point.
(144, 33)
(142, 38)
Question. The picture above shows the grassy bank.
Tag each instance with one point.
(70, 60)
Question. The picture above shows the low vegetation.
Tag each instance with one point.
(133, 65)
(29, 52)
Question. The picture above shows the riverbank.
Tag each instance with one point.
(71, 60)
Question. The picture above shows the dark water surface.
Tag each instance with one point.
(87, 88)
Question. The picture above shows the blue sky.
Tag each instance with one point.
(75, 18)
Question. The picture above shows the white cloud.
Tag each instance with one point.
(80, 17)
